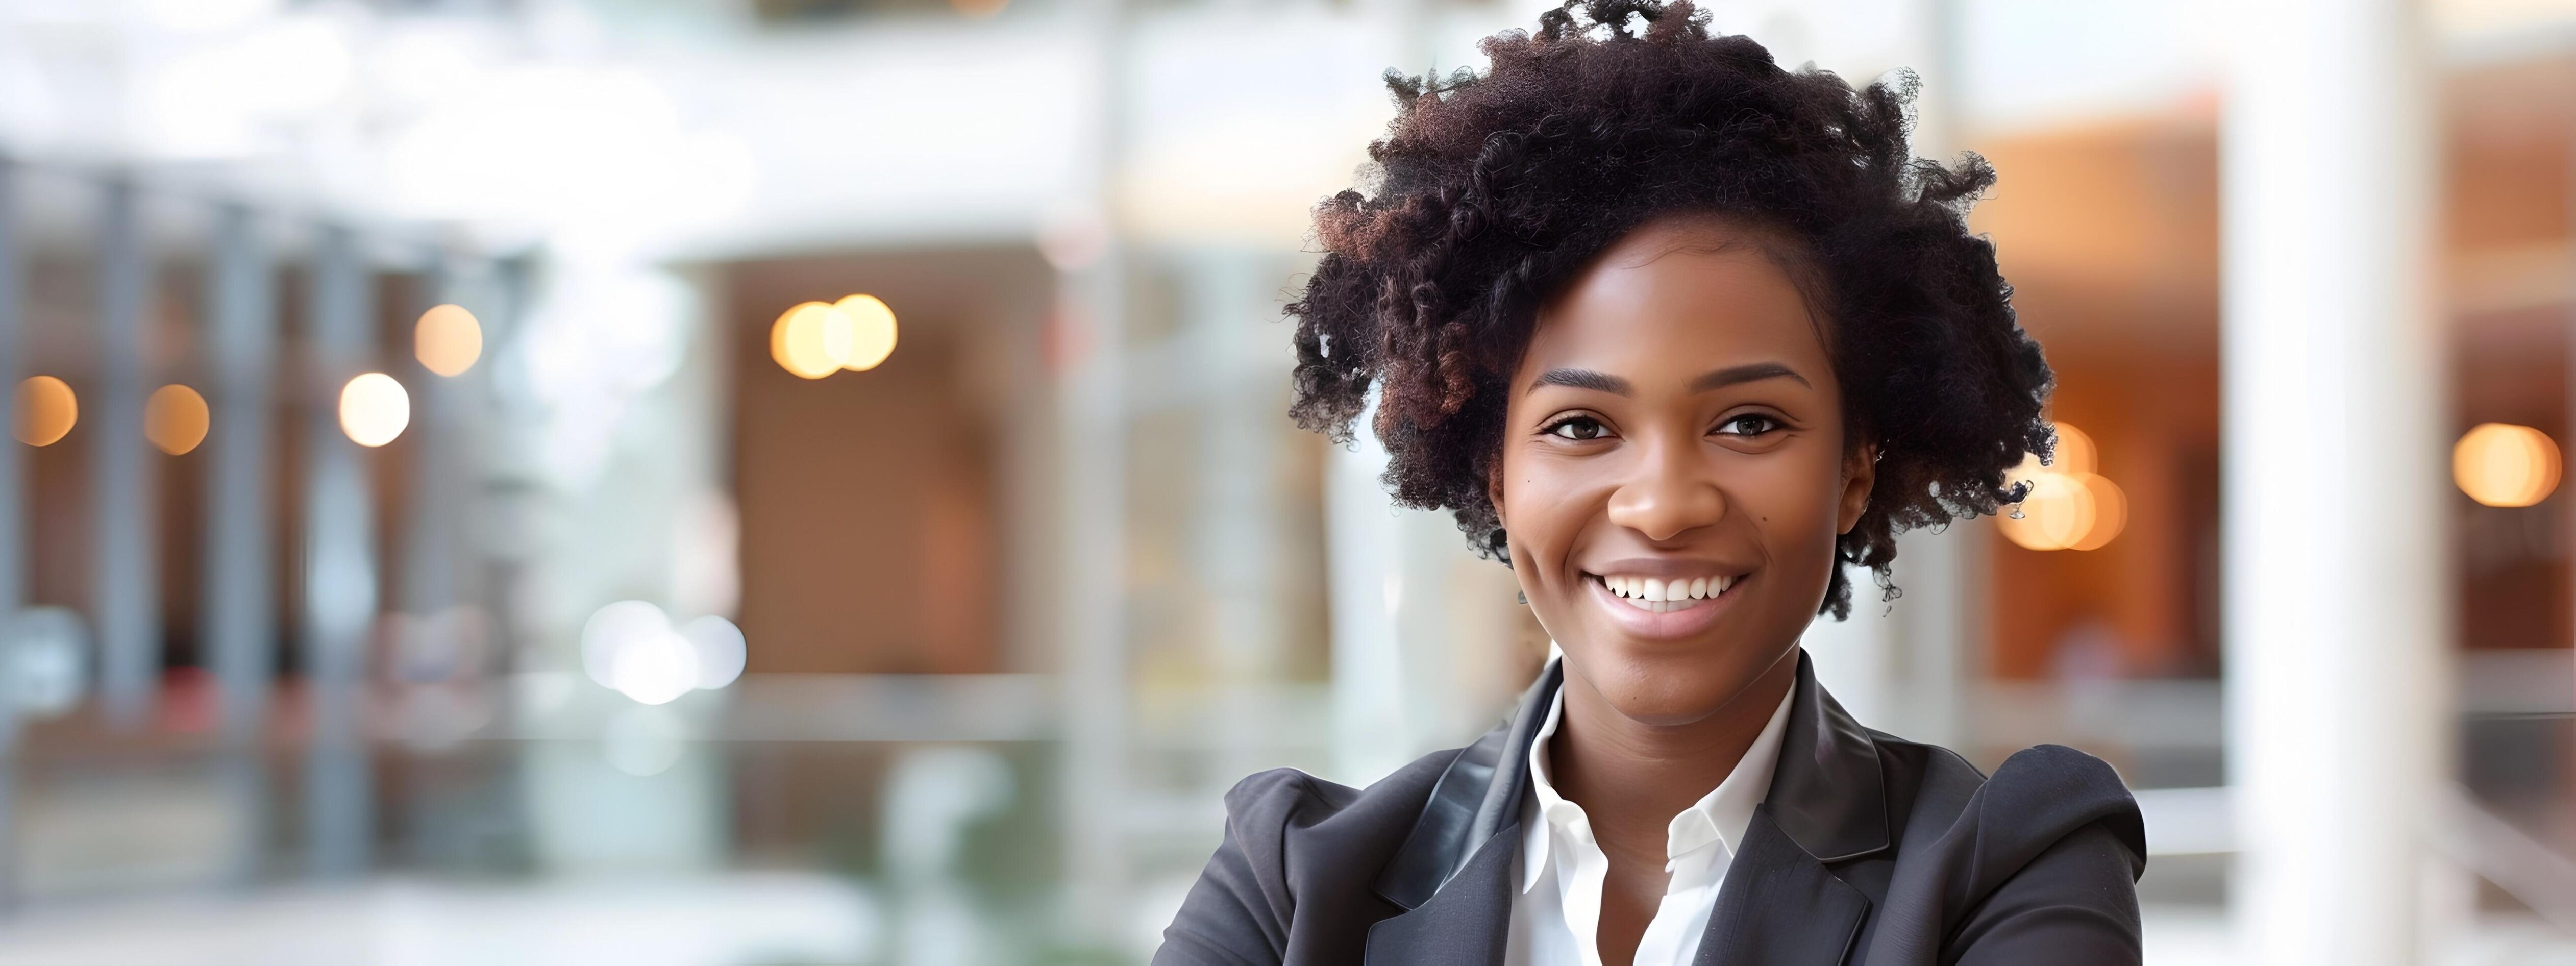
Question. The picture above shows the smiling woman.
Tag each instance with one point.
(1678, 335)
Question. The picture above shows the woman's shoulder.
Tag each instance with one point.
(2037, 862)
(2042, 856)
(2038, 794)
(1283, 803)
(1296, 865)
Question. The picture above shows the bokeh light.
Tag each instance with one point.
(609, 628)
(811, 340)
(46, 410)
(2069, 507)
(630, 647)
(2057, 512)
(374, 409)
(48, 660)
(2110, 511)
(447, 340)
(2075, 452)
(721, 650)
(814, 339)
(656, 668)
(873, 331)
(175, 419)
(2504, 465)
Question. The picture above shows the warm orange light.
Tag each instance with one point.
(979, 9)
(447, 340)
(872, 330)
(374, 409)
(2500, 464)
(2069, 507)
(46, 410)
(2075, 452)
(175, 419)
(2056, 513)
(811, 340)
(2110, 511)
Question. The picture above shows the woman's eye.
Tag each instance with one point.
(1579, 427)
(1747, 425)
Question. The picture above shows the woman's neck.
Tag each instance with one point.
(1632, 777)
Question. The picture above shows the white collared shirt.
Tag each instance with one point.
(1556, 917)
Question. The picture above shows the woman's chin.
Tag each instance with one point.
(1654, 683)
(1653, 688)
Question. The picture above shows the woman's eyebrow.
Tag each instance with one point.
(1582, 379)
(1749, 372)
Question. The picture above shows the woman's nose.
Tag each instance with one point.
(1670, 493)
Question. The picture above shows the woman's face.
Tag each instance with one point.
(1675, 471)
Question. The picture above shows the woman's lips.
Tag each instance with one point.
(1662, 620)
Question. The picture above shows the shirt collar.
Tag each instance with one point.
(1722, 815)
(1547, 808)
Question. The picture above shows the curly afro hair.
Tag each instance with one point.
(1492, 192)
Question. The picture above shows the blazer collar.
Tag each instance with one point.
(1478, 795)
(1827, 794)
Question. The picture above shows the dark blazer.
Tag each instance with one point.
(1868, 849)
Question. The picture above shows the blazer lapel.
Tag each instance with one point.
(1479, 793)
(1453, 873)
(1779, 906)
(1828, 793)
(1464, 923)
(1827, 803)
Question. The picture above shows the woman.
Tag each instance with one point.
(1676, 335)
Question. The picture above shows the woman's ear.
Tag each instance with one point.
(1860, 473)
(1494, 492)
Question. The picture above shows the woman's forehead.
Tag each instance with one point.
(1678, 302)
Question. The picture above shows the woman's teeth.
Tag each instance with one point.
(1659, 595)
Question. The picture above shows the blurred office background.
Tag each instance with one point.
(440, 529)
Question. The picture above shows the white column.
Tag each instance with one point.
(1095, 679)
(13, 482)
(240, 624)
(1363, 541)
(125, 586)
(2336, 419)
(1941, 630)
(1855, 657)
(2567, 436)
(442, 471)
(240, 629)
(339, 566)
(13, 513)
(426, 590)
(1424, 639)
(1238, 531)
(1092, 445)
